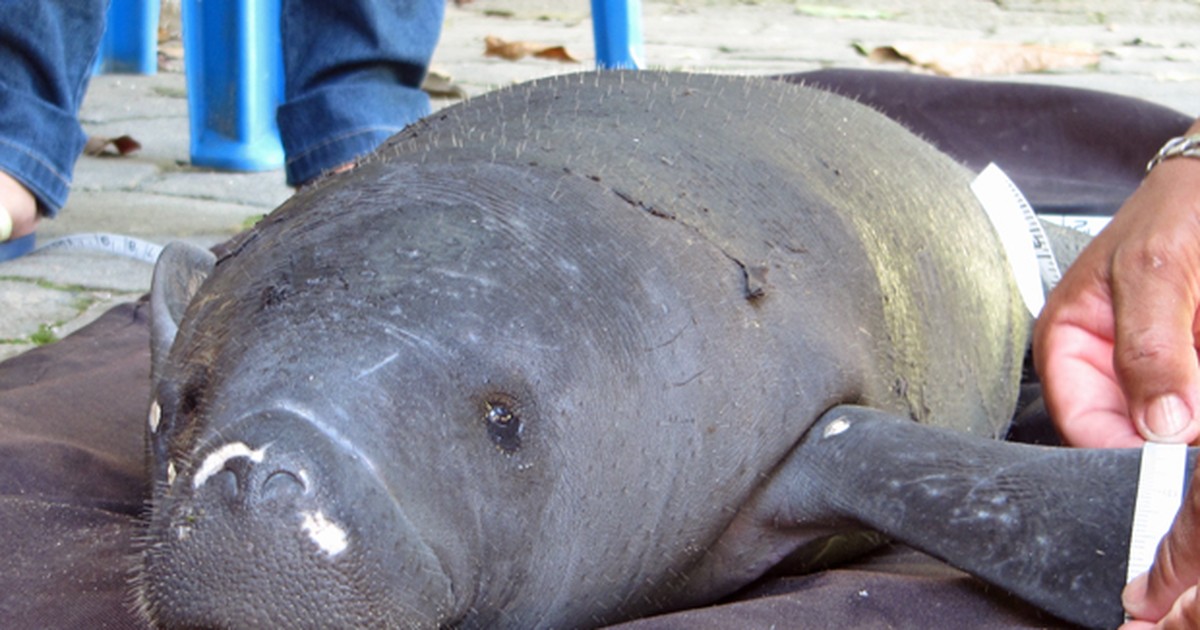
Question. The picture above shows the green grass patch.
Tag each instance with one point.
(45, 335)
(252, 221)
(169, 92)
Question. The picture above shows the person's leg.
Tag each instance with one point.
(46, 54)
(353, 77)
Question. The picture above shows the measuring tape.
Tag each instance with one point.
(1163, 466)
(1159, 494)
(1025, 243)
(118, 244)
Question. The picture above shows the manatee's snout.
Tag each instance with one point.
(275, 521)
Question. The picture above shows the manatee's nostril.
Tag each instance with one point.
(225, 483)
(283, 485)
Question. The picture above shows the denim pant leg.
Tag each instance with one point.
(353, 71)
(47, 48)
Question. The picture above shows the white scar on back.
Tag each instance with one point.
(327, 535)
(215, 462)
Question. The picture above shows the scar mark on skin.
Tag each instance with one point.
(327, 535)
(689, 379)
(837, 427)
(215, 462)
(371, 370)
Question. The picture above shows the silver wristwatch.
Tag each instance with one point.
(1186, 146)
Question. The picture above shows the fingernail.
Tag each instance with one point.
(1166, 417)
(1134, 594)
(6, 226)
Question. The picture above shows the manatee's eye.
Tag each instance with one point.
(503, 423)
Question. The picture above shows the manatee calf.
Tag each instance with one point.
(597, 347)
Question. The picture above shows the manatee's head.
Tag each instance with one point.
(405, 404)
(269, 509)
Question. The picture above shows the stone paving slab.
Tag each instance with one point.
(110, 173)
(39, 311)
(31, 304)
(74, 271)
(164, 139)
(151, 216)
(259, 192)
(114, 98)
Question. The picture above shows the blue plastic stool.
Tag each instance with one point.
(234, 69)
(617, 28)
(233, 61)
(130, 41)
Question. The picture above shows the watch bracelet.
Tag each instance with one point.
(1183, 146)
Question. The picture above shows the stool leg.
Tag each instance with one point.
(130, 43)
(233, 61)
(617, 27)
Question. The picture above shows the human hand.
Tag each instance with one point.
(18, 209)
(1168, 596)
(1116, 345)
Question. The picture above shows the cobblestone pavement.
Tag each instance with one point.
(1145, 48)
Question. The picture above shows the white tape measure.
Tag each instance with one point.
(118, 244)
(1164, 466)
(1159, 494)
(1025, 243)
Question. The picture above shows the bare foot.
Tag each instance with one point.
(341, 168)
(20, 206)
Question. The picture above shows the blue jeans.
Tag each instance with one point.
(353, 72)
(352, 77)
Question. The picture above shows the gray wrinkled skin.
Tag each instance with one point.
(538, 361)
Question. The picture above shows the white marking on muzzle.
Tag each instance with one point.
(327, 535)
(215, 462)
(155, 416)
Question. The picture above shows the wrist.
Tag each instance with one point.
(1177, 178)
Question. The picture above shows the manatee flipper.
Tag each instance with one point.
(178, 274)
(1049, 525)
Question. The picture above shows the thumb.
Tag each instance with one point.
(1155, 361)
(1156, 291)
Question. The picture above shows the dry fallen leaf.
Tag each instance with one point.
(964, 59)
(440, 85)
(512, 51)
(98, 145)
(556, 53)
